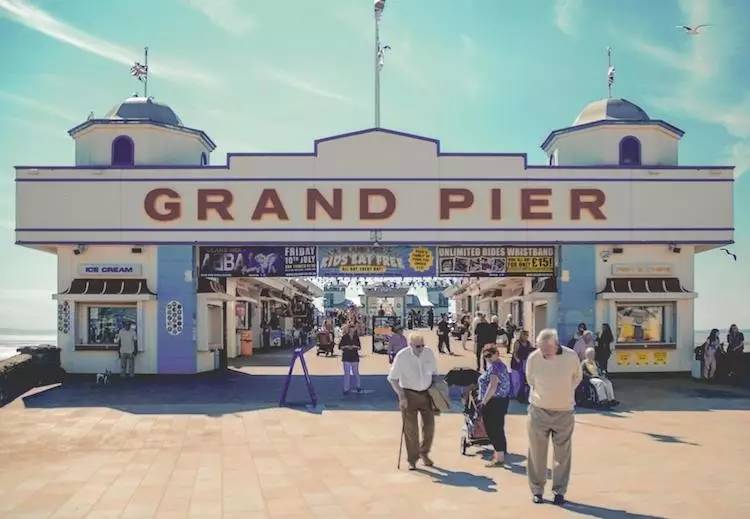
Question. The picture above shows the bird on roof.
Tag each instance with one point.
(734, 256)
(693, 31)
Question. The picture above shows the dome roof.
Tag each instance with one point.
(611, 109)
(144, 109)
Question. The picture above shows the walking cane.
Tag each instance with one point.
(401, 445)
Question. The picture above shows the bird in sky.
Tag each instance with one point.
(693, 31)
(734, 256)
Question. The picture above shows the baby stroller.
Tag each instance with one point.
(473, 431)
(325, 343)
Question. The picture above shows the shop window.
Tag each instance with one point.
(645, 323)
(102, 323)
(630, 152)
(123, 151)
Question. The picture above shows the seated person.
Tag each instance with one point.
(603, 387)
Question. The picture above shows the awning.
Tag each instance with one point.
(97, 286)
(212, 286)
(645, 288)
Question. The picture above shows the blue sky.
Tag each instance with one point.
(480, 75)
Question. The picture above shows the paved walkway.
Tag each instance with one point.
(216, 445)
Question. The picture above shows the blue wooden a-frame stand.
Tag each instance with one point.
(298, 354)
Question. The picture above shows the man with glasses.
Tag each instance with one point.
(413, 371)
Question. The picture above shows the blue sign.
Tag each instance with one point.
(258, 261)
(401, 260)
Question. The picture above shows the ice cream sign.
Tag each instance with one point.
(110, 269)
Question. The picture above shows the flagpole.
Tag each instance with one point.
(609, 68)
(377, 69)
(145, 83)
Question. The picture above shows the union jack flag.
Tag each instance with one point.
(139, 71)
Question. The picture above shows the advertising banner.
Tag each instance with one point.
(401, 260)
(258, 261)
(496, 261)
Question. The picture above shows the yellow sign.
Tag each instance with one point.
(623, 358)
(660, 357)
(641, 358)
(421, 259)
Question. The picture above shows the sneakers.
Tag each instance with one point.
(412, 465)
(426, 460)
(537, 499)
(559, 499)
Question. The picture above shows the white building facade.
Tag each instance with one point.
(614, 206)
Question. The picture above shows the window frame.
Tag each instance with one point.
(668, 322)
(82, 335)
(132, 152)
(626, 140)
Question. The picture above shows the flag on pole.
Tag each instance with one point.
(610, 76)
(379, 6)
(139, 71)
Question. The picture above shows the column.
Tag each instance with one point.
(176, 289)
(577, 296)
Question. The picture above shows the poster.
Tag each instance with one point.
(641, 358)
(495, 261)
(262, 261)
(401, 260)
(660, 357)
(623, 358)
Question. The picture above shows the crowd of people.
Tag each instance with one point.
(722, 360)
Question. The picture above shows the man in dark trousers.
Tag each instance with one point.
(485, 334)
(444, 333)
(430, 318)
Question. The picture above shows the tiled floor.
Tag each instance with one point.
(217, 446)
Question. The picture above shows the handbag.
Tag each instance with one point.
(439, 396)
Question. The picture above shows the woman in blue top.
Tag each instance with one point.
(494, 391)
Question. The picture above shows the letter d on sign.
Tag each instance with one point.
(366, 213)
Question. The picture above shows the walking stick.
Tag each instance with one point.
(401, 445)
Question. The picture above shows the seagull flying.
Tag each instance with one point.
(693, 31)
(734, 256)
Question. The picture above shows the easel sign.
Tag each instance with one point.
(299, 354)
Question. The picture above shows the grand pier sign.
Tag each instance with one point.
(400, 185)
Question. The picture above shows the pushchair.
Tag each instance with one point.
(325, 343)
(473, 432)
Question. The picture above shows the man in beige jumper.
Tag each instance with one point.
(553, 373)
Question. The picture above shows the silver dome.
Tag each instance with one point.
(144, 109)
(611, 109)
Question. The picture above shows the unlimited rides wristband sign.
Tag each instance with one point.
(402, 260)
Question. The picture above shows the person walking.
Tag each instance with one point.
(413, 372)
(127, 349)
(735, 349)
(494, 392)
(604, 347)
(396, 342)
(444, 335)
(510, 330)
(431, 318)
(553, 372)
(465, 323)
(712, 348)
(350, 346)
(579, 333)
(484, 334)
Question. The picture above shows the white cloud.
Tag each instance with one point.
(39, 106)
(227, 14)
(35, 18)
(739, 155)
(303, 85)
(567, 13)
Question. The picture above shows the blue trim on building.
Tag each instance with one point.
(577, 297)
(176, 353)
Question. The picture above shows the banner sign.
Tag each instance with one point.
(496, 261)
(402, 260)
(258, 261)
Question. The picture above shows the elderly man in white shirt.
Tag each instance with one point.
(413, 371)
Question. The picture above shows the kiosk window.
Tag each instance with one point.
(645, 323)
(102, 323)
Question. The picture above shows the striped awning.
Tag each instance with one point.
(643, 286)
(108, 287)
